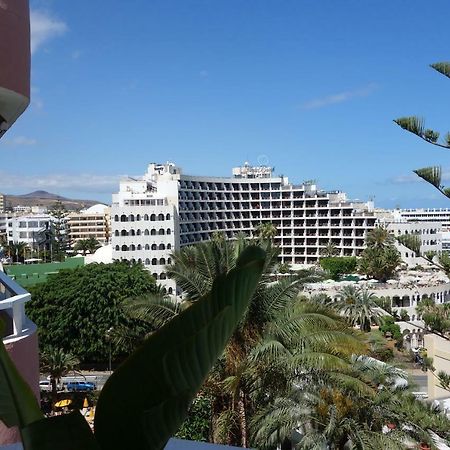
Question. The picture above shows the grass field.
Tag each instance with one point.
(30, 274)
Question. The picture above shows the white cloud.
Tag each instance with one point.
(44, 27)
(60, 182)
(339, 97)
(19, 141)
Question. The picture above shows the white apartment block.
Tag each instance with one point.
(27, 229)
(93, 222)
(165, 210)
(2, 203)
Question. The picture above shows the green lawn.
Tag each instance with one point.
(30, 274)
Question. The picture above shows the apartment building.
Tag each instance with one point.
(93, 222)
(2, 203)
(165, 210)
(30, 229)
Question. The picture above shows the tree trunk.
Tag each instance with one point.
(54, 392)
(242, 419)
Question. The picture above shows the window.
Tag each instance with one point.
(169, 246)
(138, 217)
(170, 291)
(117, 248)
(169, 261)
(153, 232)
(132, 247)
(131, 218)
(167, 216)
(152, 217)
(124, 233)
(132, 233)
(162, 276)
(162, 247)
(147, 262)
(146, 217)
(154, 262)
(138, 232)
(162, 261)
(124, 248)
(154, 247)
(123, 218)
(161, 231)
(168, 231)
(147, 247)
(116, 218)
(160, 216)
(146, 233)
(139, 247)
(116, 233)
(155, 276)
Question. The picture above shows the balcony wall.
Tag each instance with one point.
(20, 340)
(14, 60)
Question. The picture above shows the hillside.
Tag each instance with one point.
(44, 198)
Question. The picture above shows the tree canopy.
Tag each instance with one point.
(74, 308)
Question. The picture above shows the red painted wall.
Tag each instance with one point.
(15, 46)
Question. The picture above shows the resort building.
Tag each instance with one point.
(93, 222)
(165, 210)
(2, 203)
(30, 229)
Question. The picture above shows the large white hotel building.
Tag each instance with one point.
(165, 210)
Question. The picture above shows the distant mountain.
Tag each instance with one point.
(47, 199)
(42, 194)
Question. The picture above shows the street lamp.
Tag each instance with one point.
(108, 338)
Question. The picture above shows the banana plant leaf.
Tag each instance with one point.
(146, 399)
(18, 405)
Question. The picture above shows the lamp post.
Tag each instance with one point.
(108, 338)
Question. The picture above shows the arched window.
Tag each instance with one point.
(138, 232)
(168, 231)
(117, 248)
(116, 218)
(124, 233)
(162, 261)
(154, 247)
(169, 246)
(147, 262)
(167, 216)
(116, 233)
(153, 217)
(164, 290)
(155, 276)
(123, 218)
(160, 216)
(147, 246)
(162, 247)
(124, 248)
(146, 217)
(140, 260)
(132, 233)
(131, 218)
(170, 291)
(139, 247)
(162, 276)
(154, 262)
(146, 233)
(169, 261)
(132, 247)
(153, 232)
(138, 217)
(161, 231)
(133, 261)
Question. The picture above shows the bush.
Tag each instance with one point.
(389, 326)
(337, 266)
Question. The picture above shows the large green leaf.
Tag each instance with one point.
(18, 405)
(67, 432)
(146, 399)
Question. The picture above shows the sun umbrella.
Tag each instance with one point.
(85, 403)
(62, 403)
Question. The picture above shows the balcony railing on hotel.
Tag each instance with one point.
(12, 308)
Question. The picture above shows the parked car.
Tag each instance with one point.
(45, 386)
(80, 386)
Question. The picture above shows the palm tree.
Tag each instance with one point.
(16, 250)
(359, 307)
(379, 237)
(266, 231)
(239, 375)
(329, 250)
(57, 364)
(92, 245)
(82, 246)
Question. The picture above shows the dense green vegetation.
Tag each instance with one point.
(75, 308)
(338, 266)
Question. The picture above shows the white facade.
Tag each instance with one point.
(93, 222)
(27, 228)
(193, 207)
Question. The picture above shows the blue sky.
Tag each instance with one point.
(310, 87)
